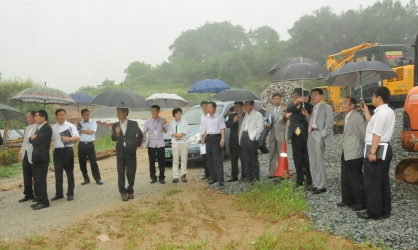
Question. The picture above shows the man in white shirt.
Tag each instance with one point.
(215, 141)
(26, 156)
(87, 130)
(250, 132)
(64, 135)
(379, 129)
(204, 107)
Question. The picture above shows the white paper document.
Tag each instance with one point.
(202, 149)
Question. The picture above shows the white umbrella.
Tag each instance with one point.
(165, 100)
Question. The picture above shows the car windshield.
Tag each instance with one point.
(192, 115)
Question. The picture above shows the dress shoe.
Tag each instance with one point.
(357, 207)
(40, 206)
(175, 180)
(205, 177)
(99, 182)
(153, 181)
(70, 197)
(213, 182)
(221, 184)
(183, 178)
(243, 181)
(365, 215)
(124, 197)
(25, 199)
(312, 188)
(232, 180)
(342, 204)
(162, 181)
(35, 200)
(130, 196)
(385, 216)
(34, 205)
(318, 191)
(85, 182)
(57, 198)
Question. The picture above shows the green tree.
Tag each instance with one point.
(211, 39)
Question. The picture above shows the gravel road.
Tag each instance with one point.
(18, 219)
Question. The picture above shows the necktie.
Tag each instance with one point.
(311, 120)
(276, 113)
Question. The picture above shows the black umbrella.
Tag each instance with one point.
(8, 113)
(236, 95)
(120, 99)
(360, 74)
(288, 61)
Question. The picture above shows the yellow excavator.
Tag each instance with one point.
(391, 54)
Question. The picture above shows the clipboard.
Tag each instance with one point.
(380, 152)
(181, 129)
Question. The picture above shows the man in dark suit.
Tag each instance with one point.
(298, 134)
(128, 137)
(234, 123)
(41, 142)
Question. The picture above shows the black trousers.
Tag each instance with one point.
(64, 161)
(214, 158)
(160, 154)
(377, 186)
(39, 177)
(301, 160)
(126, 164)
(352, 182)
(235, 154)
(27, 178)
(250, 157)
(205, 166)
(88, 151)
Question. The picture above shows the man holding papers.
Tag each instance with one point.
(64, 135)
(178, 130)
(379, 129)
(352, 183)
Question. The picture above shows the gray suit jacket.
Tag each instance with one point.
(353, 136)
(26, 142)
(278, 127)
(325, 122)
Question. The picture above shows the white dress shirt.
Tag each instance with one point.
(215, 124)
(316, 107)
(172, 130)
(381, 124)
(57, 129)
(123, 126)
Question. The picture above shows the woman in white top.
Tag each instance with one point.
(178, 130)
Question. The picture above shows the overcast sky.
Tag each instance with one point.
(69, 44)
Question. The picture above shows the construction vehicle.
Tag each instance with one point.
(407, 169)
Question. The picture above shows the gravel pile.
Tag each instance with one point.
(399, 231)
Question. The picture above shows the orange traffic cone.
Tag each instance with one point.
(283, 165)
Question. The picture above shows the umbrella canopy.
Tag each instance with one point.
(288, 61)
(284, 88)
(360, 74)
(208, 86)
(165, 100)
(8, 113)
(82, 99)
(45, 95)
(236, 95)
(300, 71)
(120, 99)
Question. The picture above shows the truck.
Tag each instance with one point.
(407, 169)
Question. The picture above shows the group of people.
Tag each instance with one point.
(365, 184)
(364, 178)
(35, 156)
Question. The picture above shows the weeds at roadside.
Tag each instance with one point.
(163, 201)
(274, 201)
(62, 242)
(173, 191)
(37, 240)
(84, 243)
